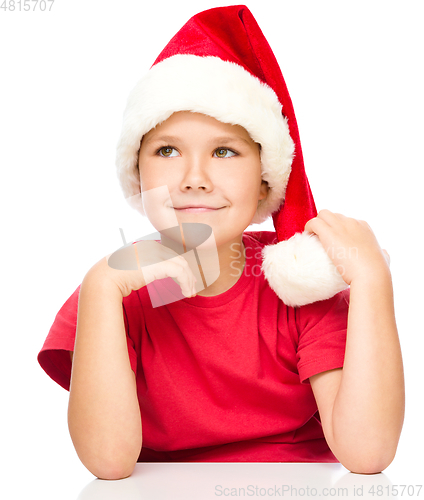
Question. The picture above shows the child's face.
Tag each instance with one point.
(203, 161)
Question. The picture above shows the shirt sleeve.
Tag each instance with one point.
(322, 328)
(54, 356)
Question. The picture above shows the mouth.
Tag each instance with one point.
(197, 209)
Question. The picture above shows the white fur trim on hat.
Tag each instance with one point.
(300, 271)
(220, 89)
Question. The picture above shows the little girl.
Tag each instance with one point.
(290, 352)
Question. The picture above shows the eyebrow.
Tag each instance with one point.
(222, 140)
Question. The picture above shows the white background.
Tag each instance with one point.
(354, 72)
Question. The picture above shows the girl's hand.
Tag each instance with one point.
(137, 265)
(350, 244)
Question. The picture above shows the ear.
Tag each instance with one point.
(263, 193)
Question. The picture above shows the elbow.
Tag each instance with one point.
(369, 464)
(110, 466)
(109, 461)
(111, 471)
(365, 468)
(366, 456)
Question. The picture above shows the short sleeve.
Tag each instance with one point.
(322, 328)
(54, 356)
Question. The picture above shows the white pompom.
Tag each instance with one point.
(300, 271)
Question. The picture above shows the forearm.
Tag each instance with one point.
(368, 410)
(103, 415)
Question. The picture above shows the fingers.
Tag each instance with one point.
(319, 222)
(176, 268)
(331, 218)
(147, 260)
(316, 225)
(326, 219)
(184, 276)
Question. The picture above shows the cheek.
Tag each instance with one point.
(151, 177)
(244, 193)
(252, 182)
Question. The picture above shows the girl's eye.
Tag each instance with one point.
(224, 153)
(166, 151)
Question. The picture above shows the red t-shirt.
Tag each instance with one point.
(224, 378)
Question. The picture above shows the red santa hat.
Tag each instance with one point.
(220, 64)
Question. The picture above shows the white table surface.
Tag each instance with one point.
(203, 481)
(218, 480)
(69, 480)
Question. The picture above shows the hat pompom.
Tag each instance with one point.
(300, 271)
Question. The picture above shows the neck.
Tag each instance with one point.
(231, 264)
(231, 258)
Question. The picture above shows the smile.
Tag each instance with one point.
(197, 209)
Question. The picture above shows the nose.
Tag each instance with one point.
(196, 175)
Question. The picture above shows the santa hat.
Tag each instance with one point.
(220, 64)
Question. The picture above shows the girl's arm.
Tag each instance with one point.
(362, 405)
(103, 414)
